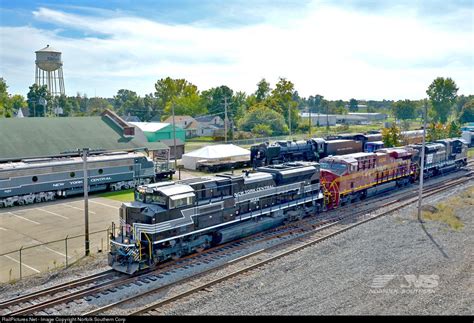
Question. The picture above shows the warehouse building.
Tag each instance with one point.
(370, 116)
(22, 138)
(319, 119)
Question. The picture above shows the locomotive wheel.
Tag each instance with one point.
(176, 256)
(201, 248)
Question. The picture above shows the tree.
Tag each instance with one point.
(436, 131)
(404, 110)
(392, 136)
(260, 114)
(282, 101)
(263, 90)
(3, 97)
(192, 105)
(353, 105)
(240, 105)
(36, 96)
(315, 103)
(442, 93)
(152, 107)
(169, 89)
(16, 102)
(467, 112)
(453, 130)
(214, 99)
(262, 130)
(339, 107)
(97, 105)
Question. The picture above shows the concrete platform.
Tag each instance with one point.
(44, 222)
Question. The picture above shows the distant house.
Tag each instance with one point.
(130, 118)
(187, 123)
(210, 120)
(210, 126)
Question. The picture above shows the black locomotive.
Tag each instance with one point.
(307, 150)
(169, 220)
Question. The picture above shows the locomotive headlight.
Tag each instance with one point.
(126, 240)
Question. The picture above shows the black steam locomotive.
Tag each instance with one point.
(316, 148)
(312, 149)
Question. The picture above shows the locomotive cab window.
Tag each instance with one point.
(181, 200)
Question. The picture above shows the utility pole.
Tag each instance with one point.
(174, 138)
(310, 121)
(225, 118)
(327, 119)
(85, 184)
(422, 166)
(289, 117)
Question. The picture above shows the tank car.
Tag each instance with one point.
(38, 180)
(169, 220)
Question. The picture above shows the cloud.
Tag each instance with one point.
(327, 49)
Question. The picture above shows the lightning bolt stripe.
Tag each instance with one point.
(381, 281)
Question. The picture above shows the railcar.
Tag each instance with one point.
(316, 148)
(169, 220)
(441, 156)
(303, 150)
(356, 176)
(44, 179)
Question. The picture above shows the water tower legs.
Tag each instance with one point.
(53, 80)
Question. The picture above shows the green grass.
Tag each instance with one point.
(470, 153)
(200, 139)
(446, 212)
(121, 196)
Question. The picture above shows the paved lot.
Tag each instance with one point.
(45, 222)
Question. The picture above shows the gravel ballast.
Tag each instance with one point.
(392, 265)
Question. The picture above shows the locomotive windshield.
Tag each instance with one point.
(336, 168)
(142, 196)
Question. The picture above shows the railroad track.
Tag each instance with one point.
(34, 303)
(307, 239)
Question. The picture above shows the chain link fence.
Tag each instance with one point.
(56, 254)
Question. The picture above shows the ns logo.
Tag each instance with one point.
(407, 281)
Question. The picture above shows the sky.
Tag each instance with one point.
(363, 49)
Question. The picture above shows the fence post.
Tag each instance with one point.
(65, 241)
(20, 263)
(108, 237)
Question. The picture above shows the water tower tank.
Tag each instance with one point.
(48, 59)
(49, 70)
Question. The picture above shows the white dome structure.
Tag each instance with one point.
(214, 152)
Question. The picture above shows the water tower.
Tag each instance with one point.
(49, 70)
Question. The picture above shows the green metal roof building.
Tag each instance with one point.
(157, 131)
(22, 138)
